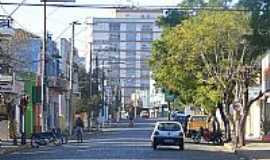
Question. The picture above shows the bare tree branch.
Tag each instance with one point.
(260, 95)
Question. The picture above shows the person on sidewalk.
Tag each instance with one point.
(131, 120)
(79, 129)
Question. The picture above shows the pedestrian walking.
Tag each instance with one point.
(79, 129)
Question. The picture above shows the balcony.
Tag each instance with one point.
(59, 84)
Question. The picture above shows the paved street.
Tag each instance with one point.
(121, 144)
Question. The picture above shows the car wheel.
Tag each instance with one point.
(220, 141)
(154, 145)
(57, 142)
(181, 146)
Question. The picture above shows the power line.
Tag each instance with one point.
(10, 16)
(52, 12)
(62, 33)
(110, 6)
(81, 31)
(23, 1)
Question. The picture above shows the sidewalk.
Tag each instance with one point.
(255, 151)
(7, 146)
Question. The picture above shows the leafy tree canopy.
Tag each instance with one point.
(260, 23)
(193, 58)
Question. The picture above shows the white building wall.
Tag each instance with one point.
(138, 13)
(266, 72)
(253, 128)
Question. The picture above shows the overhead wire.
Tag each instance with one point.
(81, 31)
(62, 33)
(110, 6)
(19, 5)
(14, 20)
(52, 12)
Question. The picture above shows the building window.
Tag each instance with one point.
(146, 36)
(114, 26)
(131, 37)
(131, 46)
(144, 55)
(100, 26)
(146, 28)
(114, 37)
(145, 74)
(146, 47)
(131, 27)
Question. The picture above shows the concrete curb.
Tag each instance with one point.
(228, 147)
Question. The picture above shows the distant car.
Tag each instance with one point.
(168, 133)
(124, 115)
(266, 138)
(144, 114)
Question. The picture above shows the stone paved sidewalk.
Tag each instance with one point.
(7, 146)
(255, 151)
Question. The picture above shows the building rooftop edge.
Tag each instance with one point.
(136, 9)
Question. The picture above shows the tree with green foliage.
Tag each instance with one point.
(260, 24)
(171, 19)
(208, 61)
(174, 17)
(86, 102)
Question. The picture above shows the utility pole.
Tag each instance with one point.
(90, 70)
(90, 115)
(43, 68)
(103, 90)
(71, 57)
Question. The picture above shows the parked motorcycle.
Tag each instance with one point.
(205, 134)
(44, 138)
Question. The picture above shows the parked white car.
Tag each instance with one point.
(168, 133)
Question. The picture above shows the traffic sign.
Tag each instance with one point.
(169, 97)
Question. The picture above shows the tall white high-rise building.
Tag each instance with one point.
(122, 47)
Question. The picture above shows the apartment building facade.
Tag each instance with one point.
(123, 44)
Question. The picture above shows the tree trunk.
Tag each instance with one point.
(242, 132)
(226, 123)
(242, 122)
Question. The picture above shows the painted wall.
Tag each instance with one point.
(29, 115)
(253, 128)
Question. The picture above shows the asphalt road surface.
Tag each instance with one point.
(122, 144)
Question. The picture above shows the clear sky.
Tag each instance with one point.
(31, 18)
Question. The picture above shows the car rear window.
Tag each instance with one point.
(168, 127)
